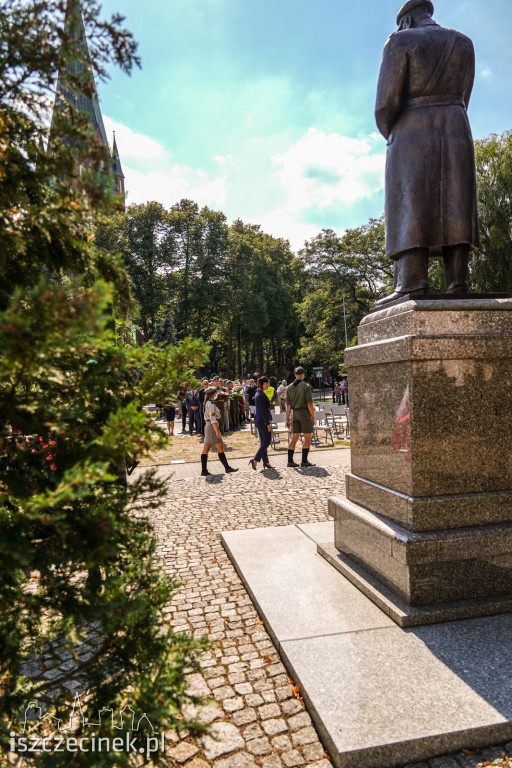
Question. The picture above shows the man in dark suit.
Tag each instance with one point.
(425, 85)
(192, 403)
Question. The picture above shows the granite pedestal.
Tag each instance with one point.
(426, 528)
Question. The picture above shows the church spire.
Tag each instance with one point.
(78, 66)
(117, 169)
(76, 86)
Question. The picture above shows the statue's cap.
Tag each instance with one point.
(409, 6)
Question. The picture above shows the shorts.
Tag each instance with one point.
(302, 422)
(210, 436)
(170, 414)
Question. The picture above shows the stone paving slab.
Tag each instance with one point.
(297, 593)
(249, 697)
(379, 696)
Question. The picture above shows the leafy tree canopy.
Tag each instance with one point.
(80, 581)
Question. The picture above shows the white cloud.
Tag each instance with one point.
(484, 72)
(223, 160)
(136, 147)
(171, 184)
(152, 174)
(284, 195)
(282, 223)
(321, 170)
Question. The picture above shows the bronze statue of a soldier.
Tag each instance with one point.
(425, 84)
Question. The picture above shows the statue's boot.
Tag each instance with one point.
(456, 268)
(411, 275)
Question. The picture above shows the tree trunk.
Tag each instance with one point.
(185, 283)
(229, 365)
(240, 370)
(275, 354)
(213, 357)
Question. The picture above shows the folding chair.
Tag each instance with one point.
(338, 419)
(279, 428)
(321, 425)
(252, 414)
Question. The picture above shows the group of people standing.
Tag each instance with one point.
(340, 392)
(300, 418)
(190, 405)
(221, 406)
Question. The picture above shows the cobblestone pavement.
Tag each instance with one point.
(256, 710)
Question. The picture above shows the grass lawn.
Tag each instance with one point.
(239, 445)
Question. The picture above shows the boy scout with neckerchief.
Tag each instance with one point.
(299, 399)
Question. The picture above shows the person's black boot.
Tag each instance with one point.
(204, 462)
(224, 462)
(305, 462)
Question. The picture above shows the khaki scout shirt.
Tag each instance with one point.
(299, 395)
(211, 413)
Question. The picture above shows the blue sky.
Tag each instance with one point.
(264, 110)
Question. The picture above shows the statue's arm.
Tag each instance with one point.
(470, 81)
(392, 76)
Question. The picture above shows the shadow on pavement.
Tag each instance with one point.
(271, 474)
(313, 472)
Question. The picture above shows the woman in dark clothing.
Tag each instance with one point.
(170, 416)
(263, 421)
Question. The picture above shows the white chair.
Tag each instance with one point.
(252, 414)
(279, 428)
(321, 425)
(338, 419)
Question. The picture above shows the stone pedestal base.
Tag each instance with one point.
(422, 578)
(428, 515)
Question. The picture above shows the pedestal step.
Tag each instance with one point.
(423, 577)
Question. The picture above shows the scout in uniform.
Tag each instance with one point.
(212, 434)
(299, 399)
(222, 403)
(201, 397)
(222, 419)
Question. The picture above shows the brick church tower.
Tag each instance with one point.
(89, 104)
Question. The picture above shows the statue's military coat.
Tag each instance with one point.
(425, 84)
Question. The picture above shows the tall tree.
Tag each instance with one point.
(146, 240)
(207, 270)
(81, 589)
(347, 274)
(491, 266)
(187, 232)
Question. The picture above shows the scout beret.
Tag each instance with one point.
(215, 378)
(409, 6)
